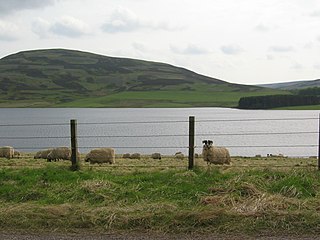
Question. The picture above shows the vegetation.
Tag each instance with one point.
(276, 101)
(65, 78)
(253, 196)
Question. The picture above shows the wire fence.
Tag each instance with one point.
(171, 136)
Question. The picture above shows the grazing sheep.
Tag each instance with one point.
(16, 154)
(101, 155)
(58, 153)
(126, 155)
(135, 156)
(215, 155)
(156, 156)
(42, 154)
(7, 152)
(179, 155)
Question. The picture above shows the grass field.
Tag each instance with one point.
(252, 196)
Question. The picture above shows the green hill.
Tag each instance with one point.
(295, 85)
(66, 78)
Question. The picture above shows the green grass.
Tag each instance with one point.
(309, 107)
(40, 196)
(165, 99)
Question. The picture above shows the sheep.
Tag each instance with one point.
(156, 156)
(16, 154)
(7, 152)
(126, 155)
(135, 156)
(101, 155)
(58, 153)
(179, 155)
(215, 155)
(42, 154)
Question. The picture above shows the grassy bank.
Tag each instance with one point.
(162, 196)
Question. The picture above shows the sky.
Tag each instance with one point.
(239, 41)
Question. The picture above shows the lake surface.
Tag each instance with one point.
(164, 130)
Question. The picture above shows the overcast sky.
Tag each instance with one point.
(240, 41)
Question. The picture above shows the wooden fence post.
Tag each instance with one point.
(319, 146)
(74, 146)
(191, 142)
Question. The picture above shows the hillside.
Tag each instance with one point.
(293, 85)
(67, 78)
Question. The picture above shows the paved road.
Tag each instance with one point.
(139, 236)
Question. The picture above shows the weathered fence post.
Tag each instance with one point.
(319, 146)
(74, 146)
(191, 142)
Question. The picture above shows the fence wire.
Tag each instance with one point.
(164, 136)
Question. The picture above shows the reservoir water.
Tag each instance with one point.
(164, 130)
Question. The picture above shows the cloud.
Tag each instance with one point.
(41, 28)
(124, 20)
(261, 28)
(66, 26)
(70, 27)
(139, 46)
(316, 66)
(9, 6)
(191, 49)
(231, 49)
(315, 14)
(282, 49)
(8, 31)
(297, 66)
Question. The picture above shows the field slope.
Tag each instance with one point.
(67, 78)
(254, 196)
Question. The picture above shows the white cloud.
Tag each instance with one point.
(70, 27)
(41, 28)
(315, 14)
(139, 46)
(191, 49)
(231, 49)
(297, 66)
(8, 31)
(124, 20)
(66, 26)
(316, 66)
(8, 6)
(262, 28)
(281, 49)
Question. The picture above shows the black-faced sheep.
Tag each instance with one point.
(215, 155)
(101, 155)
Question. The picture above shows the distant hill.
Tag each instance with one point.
(67, 78)
(293, 85)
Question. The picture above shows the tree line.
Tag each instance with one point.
(308, 96)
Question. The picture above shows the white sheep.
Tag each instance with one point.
(58, 153)
(42, 154)
(156, 156)
(101, 155)
(135, 156)
(215, 155)
(179, 155)
(7, 152)
(126, 155)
